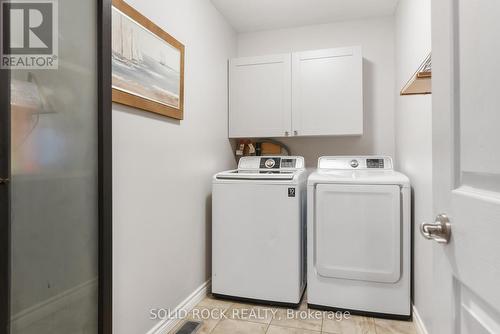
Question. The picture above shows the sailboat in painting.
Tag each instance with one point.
(144, 64)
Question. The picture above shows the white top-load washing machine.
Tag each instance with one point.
(359, 237)
(258, 230)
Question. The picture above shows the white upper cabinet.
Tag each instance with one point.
(259, 96)
(327, 92)
(311, 93)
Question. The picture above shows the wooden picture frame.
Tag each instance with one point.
(146, 73)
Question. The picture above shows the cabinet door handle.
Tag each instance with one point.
(295, 133)
(286, 133)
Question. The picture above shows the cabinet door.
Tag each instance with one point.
(260, 96)
(327, 92)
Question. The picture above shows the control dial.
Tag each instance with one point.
(270, 163)
(354, 163)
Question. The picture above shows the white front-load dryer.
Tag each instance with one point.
(359, 237)
(258, 231)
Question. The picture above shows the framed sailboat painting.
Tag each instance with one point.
(147, 63)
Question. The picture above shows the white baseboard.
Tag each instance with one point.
(164, 326)
(419, 324)
(53, 305)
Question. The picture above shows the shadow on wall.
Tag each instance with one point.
(311, 148)
(145, 114)
(208, 236)
(413, 236)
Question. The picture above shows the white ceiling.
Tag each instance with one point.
(253, 15)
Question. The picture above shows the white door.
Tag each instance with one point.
(466, 145)
(259, 96)
(327, 92)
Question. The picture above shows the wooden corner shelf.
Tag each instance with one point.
(421, 80)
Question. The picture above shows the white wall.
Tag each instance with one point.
(414, 137)
(163, 168)
(376, 36)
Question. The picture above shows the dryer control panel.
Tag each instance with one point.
(375, 163)
(355, 162)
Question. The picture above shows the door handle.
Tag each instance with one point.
(439, 231)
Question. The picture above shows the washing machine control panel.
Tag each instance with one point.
(275, 163)
(271, 162)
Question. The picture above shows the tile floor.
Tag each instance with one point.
(254, 319)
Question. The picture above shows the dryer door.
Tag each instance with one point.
(358, 232)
